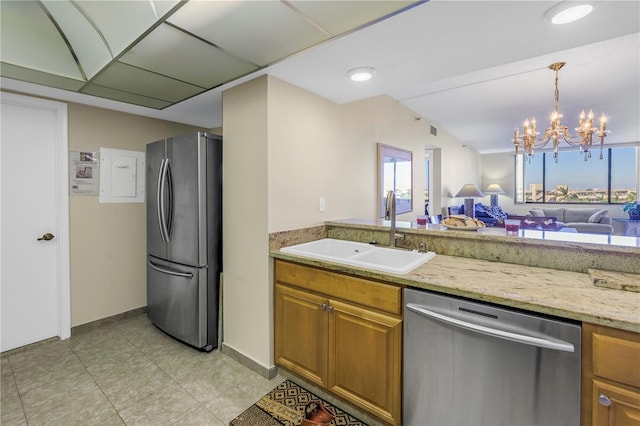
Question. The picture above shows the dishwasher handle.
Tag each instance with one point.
(558, 345)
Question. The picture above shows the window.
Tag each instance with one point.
(426, 180)
(395, 173)
(611, 180)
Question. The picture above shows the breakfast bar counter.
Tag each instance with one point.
(564, 294)
(537, 275)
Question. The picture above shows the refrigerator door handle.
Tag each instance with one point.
(169, 186)
(160, 200)
(164, 189)
(169, 271)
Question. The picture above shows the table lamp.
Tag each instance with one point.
(494, 189)
(469, 191)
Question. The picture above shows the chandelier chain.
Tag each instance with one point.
(557, 92)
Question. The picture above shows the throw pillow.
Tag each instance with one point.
(536, 212)
(579, 214)
(481, 210)
(595, 218)
(558, 213)
(496, 212)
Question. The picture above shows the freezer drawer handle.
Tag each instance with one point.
(501, 334)
(169, 271)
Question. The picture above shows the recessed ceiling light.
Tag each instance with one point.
(361, 73)
(568, 11)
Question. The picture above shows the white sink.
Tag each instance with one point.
(329, 248)
(361, 254)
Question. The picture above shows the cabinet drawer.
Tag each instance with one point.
(617, 359)
(380, 296)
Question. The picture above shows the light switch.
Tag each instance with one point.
(321, 204)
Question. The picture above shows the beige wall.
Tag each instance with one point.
(320, 149)
(499, 168)
(108, 241)
(246, 310)
(306, 158)
(365, 123)
(458, 164)
(283, 149)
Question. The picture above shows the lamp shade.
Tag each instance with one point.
(494, 188)
(469, 190)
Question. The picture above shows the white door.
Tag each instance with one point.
(34, 274)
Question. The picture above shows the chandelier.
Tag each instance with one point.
(557, 132)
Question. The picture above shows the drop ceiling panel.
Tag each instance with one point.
(121, 23)
(39, 77)
(130, 98)
(171, 52)
(141, 82)
(29, 39)
(273, 29)
(161, 7)
(338, 17)
(91, 50)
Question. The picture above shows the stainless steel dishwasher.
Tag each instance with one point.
(475, 364)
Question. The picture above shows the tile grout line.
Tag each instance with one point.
(138, 349)
(177, 382)
(98, 386)
(24, 412)
(13, 373)
(142, 341)
(201, 404)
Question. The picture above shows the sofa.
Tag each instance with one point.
(584, 220)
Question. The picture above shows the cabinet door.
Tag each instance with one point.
(365, 359)
(623, 407)
(301, 333)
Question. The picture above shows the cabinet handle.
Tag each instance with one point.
(323, 306)
(330, 308)
(604, 400)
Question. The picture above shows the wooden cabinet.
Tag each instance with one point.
(614, 405)
(365, 359)
(610, 377)
(301, 333)
(342, 333)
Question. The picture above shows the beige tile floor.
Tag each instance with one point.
(128, 373)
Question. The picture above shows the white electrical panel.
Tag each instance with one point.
(122, 176)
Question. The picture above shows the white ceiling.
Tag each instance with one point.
(156, 53)
(475, 69)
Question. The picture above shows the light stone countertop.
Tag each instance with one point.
(605, 243)
(546, 249)
(555, 292)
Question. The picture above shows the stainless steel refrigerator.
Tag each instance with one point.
(184, 236)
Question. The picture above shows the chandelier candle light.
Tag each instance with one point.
(557, 131)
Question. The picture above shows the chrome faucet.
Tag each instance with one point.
(390, 214)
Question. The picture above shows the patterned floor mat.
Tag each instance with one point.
(285, 405)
